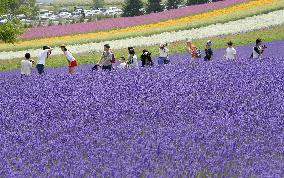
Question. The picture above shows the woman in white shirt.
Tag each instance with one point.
(231, 53)
(132, 58)
(72, 63)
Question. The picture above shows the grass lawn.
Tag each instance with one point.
(271, 34)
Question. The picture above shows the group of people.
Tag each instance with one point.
(107, 59)
(230, 53)
(27, 63)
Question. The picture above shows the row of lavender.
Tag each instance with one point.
(221, 117)
(41, 32)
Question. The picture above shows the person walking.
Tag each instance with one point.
(231, 52)
(163, 54)
(43, 55)
(72, 63)
(106, 58)
(26, 65)
(132, 58)
(208, 51)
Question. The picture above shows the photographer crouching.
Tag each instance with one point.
(146, 58)
(258, 49)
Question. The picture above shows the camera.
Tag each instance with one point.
(264, 47)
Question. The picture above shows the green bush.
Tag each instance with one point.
(10, 31)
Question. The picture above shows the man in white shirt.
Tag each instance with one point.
(42, 58)
(26, 65)
(231, 53)
(164, 55)
(122, 64)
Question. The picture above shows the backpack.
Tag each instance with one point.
(198, 53)
(113, 59)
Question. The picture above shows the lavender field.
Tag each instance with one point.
(220, 118)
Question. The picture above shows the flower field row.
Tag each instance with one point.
(162, 24)
(239, 26)
(222, 117)
(233, 15)
(107, 24)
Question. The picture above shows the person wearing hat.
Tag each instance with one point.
(258, 49)
(72, 63)
(163, 54)
(208, 51)
(106, 58)
(132, 58)
(43, 55)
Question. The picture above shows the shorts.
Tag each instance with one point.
(72, 64)
(40, 68)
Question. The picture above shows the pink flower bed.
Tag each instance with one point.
(51, 31)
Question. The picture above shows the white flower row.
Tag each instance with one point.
(233, 27)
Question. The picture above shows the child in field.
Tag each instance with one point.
(42, 58)
(163, 54)
(208, 51)
(122, 64)
(72, 63)
(26, 65)
(132, 58)
(231, 53)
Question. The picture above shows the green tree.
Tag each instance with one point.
(98, 3)
(191, 2)
(16, 7)
(154, 6)
(14, 28)
(10, 31)
(132, 8)
(173, 4)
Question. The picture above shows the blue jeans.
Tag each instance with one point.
(40, 68)
(161, 60)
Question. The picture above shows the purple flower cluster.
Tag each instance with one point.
(106, 24)
(220, 118)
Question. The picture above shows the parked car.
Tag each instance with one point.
(2, 21)
(103, 10)
(96, 12)
(65, 15)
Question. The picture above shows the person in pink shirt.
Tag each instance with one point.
(72, 63)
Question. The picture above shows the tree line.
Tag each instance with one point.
(133, 7)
